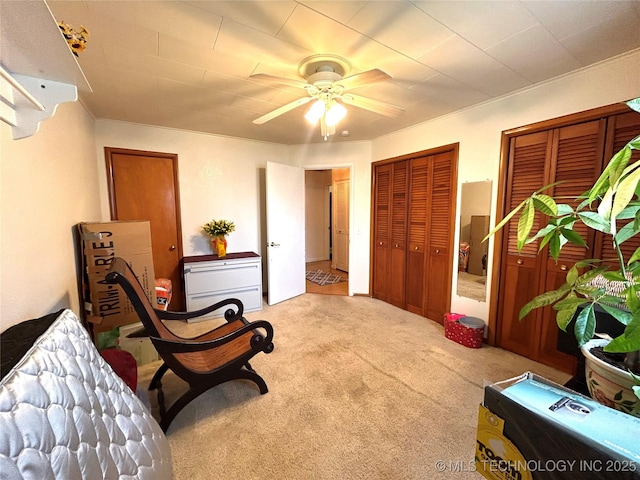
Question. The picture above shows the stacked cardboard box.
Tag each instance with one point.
(107, 306)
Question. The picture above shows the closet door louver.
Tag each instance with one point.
(520, 270)
(381, 231)
(390, 232)
(398, 247)
(417, 231)
(439, 253)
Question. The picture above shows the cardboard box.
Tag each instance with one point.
(107, 305)
(531, 428)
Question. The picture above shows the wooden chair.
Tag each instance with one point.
(204, 361)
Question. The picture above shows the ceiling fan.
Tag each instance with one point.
(328, 85)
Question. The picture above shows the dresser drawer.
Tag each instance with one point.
(251, 298)
(204, 277)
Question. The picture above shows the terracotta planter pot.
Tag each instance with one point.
(608, 384)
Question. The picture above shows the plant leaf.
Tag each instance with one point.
(610, 174)
(619, 162)
(589, 275)
(545, 204)
(573, 236)
(625, 342)
(595, 221)
(585, 326)
(626, 232)
(546, 238)
(625, 193)
(572, 275)
(525, 223)
(635, 257)
(634, 104)
(620, 315)
(544, 300)
(565, 315)
(630, 211)
(504, 221)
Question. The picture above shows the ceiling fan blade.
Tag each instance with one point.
(364, 78)
(375, 106)
(283, 109)
(272, 79)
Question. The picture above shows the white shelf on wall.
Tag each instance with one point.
(38, 71)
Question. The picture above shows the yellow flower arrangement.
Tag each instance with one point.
(218, 227)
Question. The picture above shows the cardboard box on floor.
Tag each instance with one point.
(531, 428)
(107, 305)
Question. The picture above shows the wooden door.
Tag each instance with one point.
(576, 162)
(572, 156)
(398, 239)
(389, 232)
(417, 234)
(144, 186)
(439, 261)
(520, 271)
(381, 231)
(341, 225)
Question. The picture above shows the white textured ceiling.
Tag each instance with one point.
(187, 65)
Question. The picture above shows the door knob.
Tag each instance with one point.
(519, 261)
(273, 244)
(172, 248)
(437, 250)
(563, 268)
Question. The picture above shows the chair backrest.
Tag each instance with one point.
(120, 273)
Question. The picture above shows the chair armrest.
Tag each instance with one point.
(258, 341)
(229, 314)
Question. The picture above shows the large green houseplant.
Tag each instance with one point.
(614, 196)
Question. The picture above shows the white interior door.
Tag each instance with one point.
(285, 232)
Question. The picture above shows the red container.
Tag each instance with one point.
(464, 330)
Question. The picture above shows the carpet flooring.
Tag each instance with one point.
(358, 389)
(323, 278)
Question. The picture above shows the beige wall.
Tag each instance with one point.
(316, 214)
(48, 183)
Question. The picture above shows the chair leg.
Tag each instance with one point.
(254, 377)
(178, 405)
(167, 417)
(157, 376)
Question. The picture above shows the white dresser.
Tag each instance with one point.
(209, 279)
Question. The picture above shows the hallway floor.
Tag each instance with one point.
(341, 288)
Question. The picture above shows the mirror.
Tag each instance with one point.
(475, 207)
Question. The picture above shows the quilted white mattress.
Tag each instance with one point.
(64, 414)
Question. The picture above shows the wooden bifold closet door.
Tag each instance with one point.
(573, 156)
(413, 203)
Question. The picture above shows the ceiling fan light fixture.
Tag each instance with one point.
(335, 113)
(316, 112)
